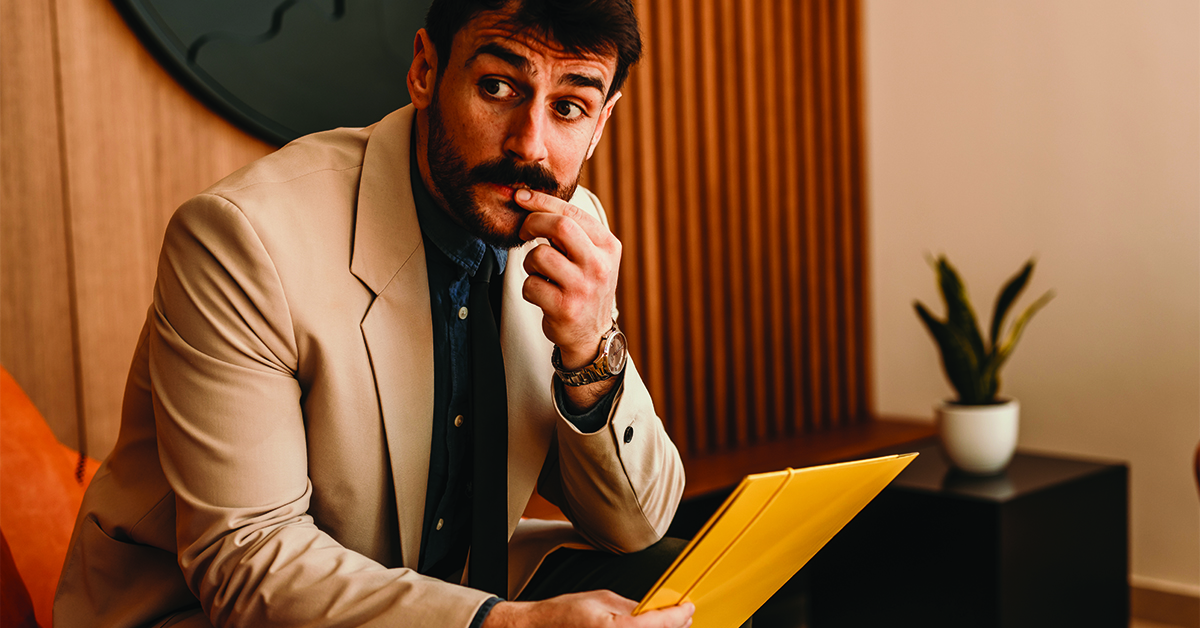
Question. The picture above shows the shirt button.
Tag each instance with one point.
(440, 523)
(458, 421)
(462, 313)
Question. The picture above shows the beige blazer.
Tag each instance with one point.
(274, 448)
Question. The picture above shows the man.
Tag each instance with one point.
(297, 423)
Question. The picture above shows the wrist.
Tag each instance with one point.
(575, 358)
(581, 400)
(574, 368)
(505, 615)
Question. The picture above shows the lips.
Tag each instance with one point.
(510, 190)
(504, 190)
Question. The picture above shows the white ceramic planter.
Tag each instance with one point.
(979, 439)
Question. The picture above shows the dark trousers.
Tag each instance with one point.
(627, 575)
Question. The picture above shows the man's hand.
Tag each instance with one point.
(586, 610)
(573, 279)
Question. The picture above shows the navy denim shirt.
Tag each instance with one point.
(453, 256)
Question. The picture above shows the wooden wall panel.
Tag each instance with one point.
(35, 298)
(137, 145)
(733, 174)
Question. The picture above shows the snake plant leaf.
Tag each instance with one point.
(1001, 353)
(959, 360)
(971, 384)
(1007, 297)
(989, 379)
(959, 315)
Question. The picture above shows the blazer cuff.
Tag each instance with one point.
(595, 419)
(482, 613)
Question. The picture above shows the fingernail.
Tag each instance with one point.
(524, 195)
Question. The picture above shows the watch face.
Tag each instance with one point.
(616, 353)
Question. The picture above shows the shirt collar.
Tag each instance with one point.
(452, 240)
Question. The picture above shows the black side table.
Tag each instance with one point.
(1043, 544)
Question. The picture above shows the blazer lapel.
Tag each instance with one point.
(389, 257)
(528, 374)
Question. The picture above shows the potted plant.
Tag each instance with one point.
(978, 430)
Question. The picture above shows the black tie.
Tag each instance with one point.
(489, 507)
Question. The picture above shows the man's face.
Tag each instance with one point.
(509, 111)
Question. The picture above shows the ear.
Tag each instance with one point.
(604, 114)
(422, 75)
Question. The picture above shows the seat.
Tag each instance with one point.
(41, 487)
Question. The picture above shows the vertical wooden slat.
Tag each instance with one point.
(731, 123)
(855, 145)
(717, 257)
(771, 256)
(691, 197)
(847, 305)
(670, 203)
(828, 218)
(791, 242)
(808, 78)
(751, 86)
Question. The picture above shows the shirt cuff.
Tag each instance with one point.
(482, 613)
(593, 420)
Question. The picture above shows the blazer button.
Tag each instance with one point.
(458, 421)
(628, 434)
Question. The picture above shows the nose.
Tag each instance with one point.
(526, 140)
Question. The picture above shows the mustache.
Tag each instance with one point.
(507, 172)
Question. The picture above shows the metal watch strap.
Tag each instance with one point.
(596, 371)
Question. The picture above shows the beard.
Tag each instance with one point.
(458, 183)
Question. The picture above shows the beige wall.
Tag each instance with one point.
(1066, 129)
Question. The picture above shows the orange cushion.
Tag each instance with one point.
(16, 609)
(39, 494)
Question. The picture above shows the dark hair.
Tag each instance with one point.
(594, 27)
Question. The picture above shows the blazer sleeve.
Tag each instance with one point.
(223, 361)
(619, 486)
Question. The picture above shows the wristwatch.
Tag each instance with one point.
(609, 363)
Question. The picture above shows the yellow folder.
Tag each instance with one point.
(767, 529)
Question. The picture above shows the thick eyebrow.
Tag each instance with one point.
(584, 80)
(504, 54)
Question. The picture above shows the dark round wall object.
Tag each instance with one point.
(285, 68)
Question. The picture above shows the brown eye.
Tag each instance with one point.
(568, 110)
(496, 89)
